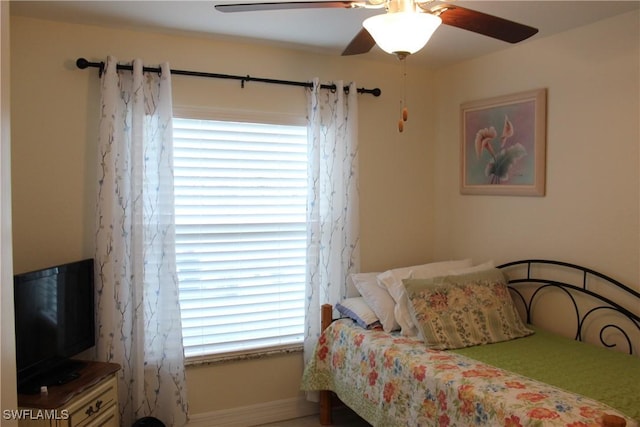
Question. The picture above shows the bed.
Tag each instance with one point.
(546, 375)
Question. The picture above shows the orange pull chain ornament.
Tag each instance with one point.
(403, 101)
(405, 115)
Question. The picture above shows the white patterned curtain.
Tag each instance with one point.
(333, 249)
(138, 314)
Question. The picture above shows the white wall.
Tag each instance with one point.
(590, 214)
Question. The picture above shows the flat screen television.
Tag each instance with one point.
(54, 321)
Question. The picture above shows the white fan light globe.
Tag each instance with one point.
(402, 32)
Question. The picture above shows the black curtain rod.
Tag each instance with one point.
(83, 63)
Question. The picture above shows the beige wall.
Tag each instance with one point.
(590, 212)
(8, 398)
(54, 128)
(411, 210)
(55, 116)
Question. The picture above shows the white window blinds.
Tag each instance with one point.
(240, 194)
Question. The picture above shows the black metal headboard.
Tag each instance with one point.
(591, 293)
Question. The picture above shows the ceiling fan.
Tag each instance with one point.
(406, 26)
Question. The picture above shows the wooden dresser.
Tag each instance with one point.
(91, 400)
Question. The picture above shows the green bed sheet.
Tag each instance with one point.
(606, 375)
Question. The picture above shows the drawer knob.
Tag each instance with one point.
(90, 410)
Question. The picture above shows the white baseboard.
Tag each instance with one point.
(252, 415)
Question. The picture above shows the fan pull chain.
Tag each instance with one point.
(403, 101)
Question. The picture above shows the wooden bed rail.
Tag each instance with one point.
(326, 317)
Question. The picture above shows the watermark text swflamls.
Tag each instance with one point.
(35, 414)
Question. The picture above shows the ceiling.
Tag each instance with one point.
(321, 30)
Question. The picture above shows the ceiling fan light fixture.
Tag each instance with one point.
(402, 32)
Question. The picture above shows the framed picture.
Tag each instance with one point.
(503, 145)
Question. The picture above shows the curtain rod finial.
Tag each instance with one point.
(82, 63)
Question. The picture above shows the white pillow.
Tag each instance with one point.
(392, 281)
(357, 309)
(352, 291)
(377, 298)
(475, 269)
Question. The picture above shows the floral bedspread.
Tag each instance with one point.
(392, 380)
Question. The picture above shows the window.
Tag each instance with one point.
(240, 195)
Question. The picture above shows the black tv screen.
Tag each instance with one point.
(54, 321)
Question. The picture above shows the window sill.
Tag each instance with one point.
(214, 359)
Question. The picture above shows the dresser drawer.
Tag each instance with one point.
(91, 400)
(94, 403)
(108, 417)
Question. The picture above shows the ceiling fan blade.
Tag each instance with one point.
(482, 23)
(361, 43)
(253, 7)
